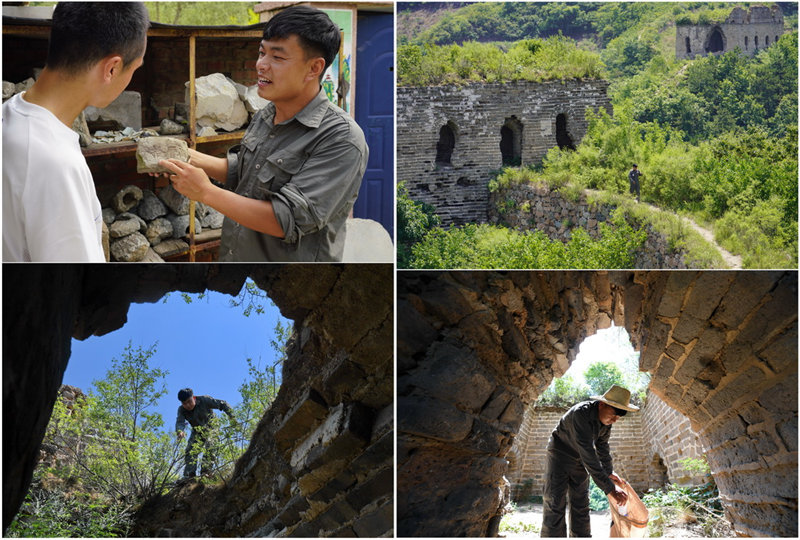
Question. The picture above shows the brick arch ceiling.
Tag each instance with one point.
(336, 340)
(474, 348)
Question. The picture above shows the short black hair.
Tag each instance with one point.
(317, 33)
(185, 394)
(83, 33)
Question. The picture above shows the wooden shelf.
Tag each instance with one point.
(129, 147)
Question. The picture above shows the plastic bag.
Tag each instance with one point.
(633, 525)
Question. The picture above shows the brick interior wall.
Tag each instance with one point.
(639, 443)
(476, 113)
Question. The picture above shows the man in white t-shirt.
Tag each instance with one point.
(50, 208)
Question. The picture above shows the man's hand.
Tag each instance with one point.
(181, 435)
(619, 495)
(616, 479)
(188, 180)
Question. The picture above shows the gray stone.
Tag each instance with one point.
(205, 131)
(174, 200)
(24, 85)
(180, 225)
(126, 111)
(151, 150)
(131, 248)
(106, 240)
(123, 227)
(171, 246)
(8, 89)
(134, 217)
(82, 129)
(252, 101)
(170, 127)
(126, 198)
(150, 206)
(152, 257)
(157, 230)
(218, 103)
(213, 220)
(109, 216)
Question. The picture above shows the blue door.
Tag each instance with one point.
(375, 114)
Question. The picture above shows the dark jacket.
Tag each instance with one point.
(580, 436)
(202, 413)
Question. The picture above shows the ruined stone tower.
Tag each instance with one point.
(450, 138)
(751, 31)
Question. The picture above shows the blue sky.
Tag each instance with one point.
(204, 345)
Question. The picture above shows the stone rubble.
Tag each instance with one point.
(156, 223)
(218, 103)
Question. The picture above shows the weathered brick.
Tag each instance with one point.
(376, 523)
(707, 292)
(373, 488)
(688, 328)
(747, 289)
(432, 418)
(655, 345)
(309, 411)
(290, 514)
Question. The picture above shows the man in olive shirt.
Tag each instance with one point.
(577, 445)
(293, 180)
(197, 411)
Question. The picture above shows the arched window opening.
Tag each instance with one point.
(563, 138)
(716, 41)
(745, 42)
(776, 39)
(688, 46)
(755, 42)
(766, 41)
(445, 146)
(511, 142)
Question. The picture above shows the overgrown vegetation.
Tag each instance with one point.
(699, 505)
(113, 451)
(715, 137)
(530, 60)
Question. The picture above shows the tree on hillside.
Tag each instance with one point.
(203, 13)
(600, 376)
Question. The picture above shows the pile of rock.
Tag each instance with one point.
(143, 226)
(223, 103)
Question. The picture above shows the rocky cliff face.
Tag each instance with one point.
(320, 460)
(476, 348)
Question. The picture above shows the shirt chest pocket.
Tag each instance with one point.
(278, 170)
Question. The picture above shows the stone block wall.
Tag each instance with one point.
(526, 207)
(476, 113)
(645, 447)
(751, 31)
(475, 349)
(669, 438)
(319, 463)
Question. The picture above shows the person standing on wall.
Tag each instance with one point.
(578, 447)
(292, 182)
(197, 412)
(50, 208)
(633, 178)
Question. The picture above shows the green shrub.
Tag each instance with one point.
(414, 220)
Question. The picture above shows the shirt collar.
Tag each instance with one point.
(312, 114)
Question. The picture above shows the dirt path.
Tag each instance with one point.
(532, 514)
(734, 262)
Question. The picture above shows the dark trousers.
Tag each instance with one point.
(635, 188)
(201, 440)
(566, 481)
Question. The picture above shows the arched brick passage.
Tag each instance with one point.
(511, 141)
(337, 385)
(658, 471)
(475, 348)
(563, 138)
(716, 41)
(445, 145)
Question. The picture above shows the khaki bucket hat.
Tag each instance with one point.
(618, 397)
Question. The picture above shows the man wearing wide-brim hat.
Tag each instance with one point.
(577, 448)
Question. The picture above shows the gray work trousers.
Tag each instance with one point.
(566, 481)
(203, 439)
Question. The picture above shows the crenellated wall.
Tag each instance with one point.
(750, 31)
(476, 114)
